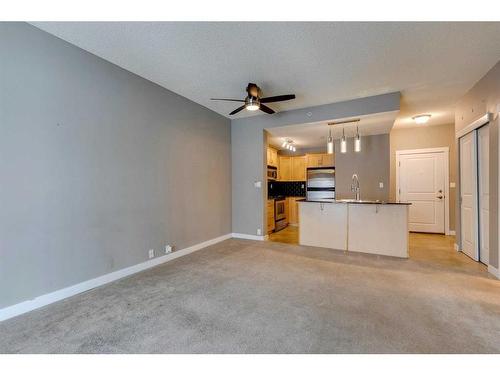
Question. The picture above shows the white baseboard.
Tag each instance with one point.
(249, 237)
(451, 233)
(456, 247)
(494, 271)
(46, 299)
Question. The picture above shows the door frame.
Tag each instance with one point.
(472, 127)
(446, 152)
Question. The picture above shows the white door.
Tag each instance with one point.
(422, 179)
(468, 195)
(483, 143)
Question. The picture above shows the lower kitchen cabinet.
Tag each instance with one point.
(293, 210)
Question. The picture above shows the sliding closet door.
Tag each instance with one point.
(468, 195)
(483, 143)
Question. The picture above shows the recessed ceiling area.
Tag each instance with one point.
(313, 135)
(432, 64)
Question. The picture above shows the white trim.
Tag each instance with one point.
(455, 245)
(248, 237)
(451, 233)
(422, 151)
(46, 299)
(446, 151)
(474, 125)
(494, 271)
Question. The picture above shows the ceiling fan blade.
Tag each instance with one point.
(266, 109)
(237, 110)
(229, 100)
(279, 98)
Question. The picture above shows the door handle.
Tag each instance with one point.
(440, 196)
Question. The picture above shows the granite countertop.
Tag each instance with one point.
(352, 201)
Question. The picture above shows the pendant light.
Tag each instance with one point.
(329, 143)
(343, 143)
(357, 141)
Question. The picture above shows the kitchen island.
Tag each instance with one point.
(372, 227)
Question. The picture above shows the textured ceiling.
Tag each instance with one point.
(432, 64)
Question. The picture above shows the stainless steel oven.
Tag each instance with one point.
(280, 220)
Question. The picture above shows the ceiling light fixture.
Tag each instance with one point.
(329, 143)
(357, 141)
(288, 144)
(421, 119)
(343, 143)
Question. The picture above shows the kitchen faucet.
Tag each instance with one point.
(355, 185)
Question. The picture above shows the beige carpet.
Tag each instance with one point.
(262, 297)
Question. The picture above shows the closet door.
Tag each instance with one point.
(468, 195)
(483, 144)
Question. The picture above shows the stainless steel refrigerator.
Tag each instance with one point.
(320, 184)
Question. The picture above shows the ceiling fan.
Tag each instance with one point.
(253, 101)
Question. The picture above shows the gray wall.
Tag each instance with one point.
(484, 97)
(97, 166)
(248, 152)
(371, 165)
(426, 137)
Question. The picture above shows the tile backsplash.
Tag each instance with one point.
(286, 188)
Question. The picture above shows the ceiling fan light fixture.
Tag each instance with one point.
(421, 119)
(252, 107)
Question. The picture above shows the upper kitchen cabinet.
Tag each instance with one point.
(272, 157)
(292, 168)
(299, 168)
(285, 168)
(320, 160)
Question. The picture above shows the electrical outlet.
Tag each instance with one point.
(151, 253)
(381, 185)
(168, 249)
(259, 232)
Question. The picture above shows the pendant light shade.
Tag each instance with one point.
(343, 143)
(357, 141)
(329, 143)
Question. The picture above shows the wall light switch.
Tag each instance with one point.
(381, 185)
(259, 232)
(452, 184)
(257, 184)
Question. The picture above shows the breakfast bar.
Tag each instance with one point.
(373, 227)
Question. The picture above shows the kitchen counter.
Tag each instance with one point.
(351, 201)
(360, 226)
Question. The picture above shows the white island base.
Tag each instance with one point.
(374, 228)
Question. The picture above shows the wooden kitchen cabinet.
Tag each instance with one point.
(299, 168)
(285, 168)
(293, 210)
(292, 168)
(270, 215)
(272, 157)
(320, 160)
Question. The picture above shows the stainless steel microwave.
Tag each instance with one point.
(272, 173)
